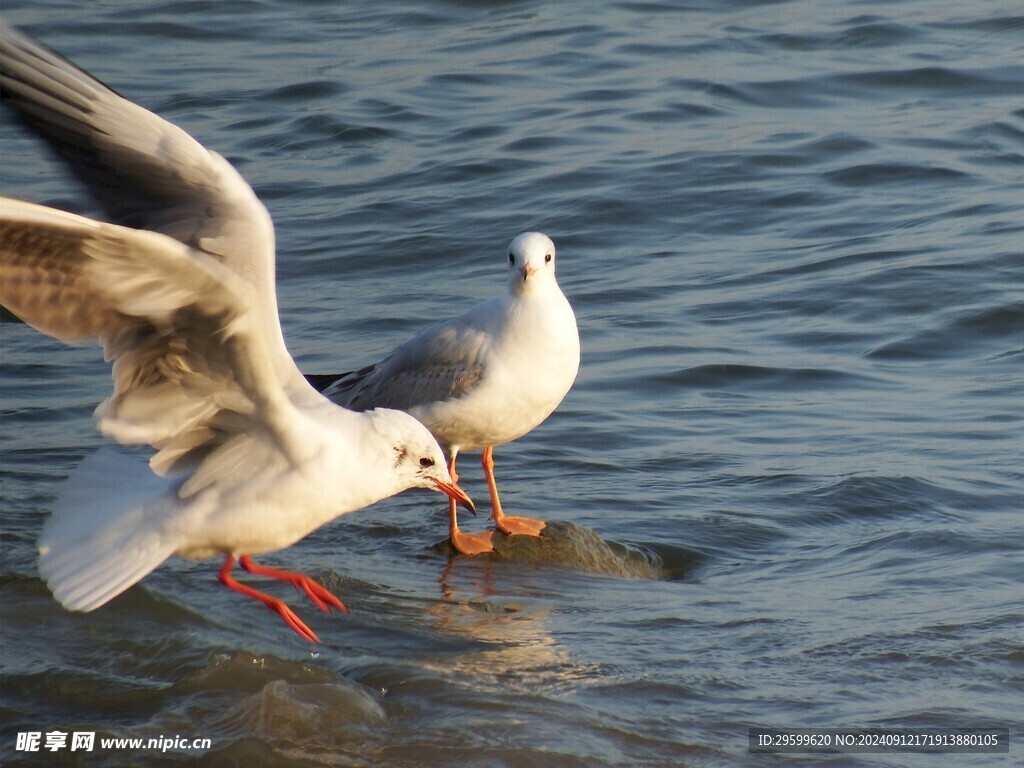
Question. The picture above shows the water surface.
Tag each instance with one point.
(793, 235)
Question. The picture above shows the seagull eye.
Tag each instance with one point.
(547, 258)
(426, 461)
(511, 258)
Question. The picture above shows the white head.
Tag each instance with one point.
(531, 263)
(417, 459)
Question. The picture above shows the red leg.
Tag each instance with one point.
(523, 526)
(464, 543)
(323, 599)
(273, 603)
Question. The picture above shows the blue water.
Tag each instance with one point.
(793, 234)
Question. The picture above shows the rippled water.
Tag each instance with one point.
(793, 235)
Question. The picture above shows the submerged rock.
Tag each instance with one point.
(568, 545)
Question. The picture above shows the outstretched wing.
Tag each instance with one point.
(192, 373)
(146, 173)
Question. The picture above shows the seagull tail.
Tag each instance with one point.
(105, 533)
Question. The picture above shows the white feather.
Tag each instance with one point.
(106, 530)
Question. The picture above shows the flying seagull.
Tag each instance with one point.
(179, 289)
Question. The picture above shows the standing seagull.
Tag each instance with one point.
(249, 458)
(483, 378)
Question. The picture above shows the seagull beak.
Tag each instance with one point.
(452, 490)
(528, 269)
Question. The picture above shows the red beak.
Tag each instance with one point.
(453, 491)
(528, 270)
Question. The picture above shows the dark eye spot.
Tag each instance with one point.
(547, 259)
(511, 258)
(426, 461)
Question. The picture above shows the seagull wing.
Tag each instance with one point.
(145, 172)
(192, 374)
(443, 362)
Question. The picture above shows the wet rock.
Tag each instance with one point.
(568, 545)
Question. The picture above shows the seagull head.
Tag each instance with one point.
(531, 263)
(418, 461)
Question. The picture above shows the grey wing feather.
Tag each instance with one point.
(443, 362)
(144, 171)
(147, 173)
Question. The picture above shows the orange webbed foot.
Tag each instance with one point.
(319, 594)
(519, 526)
(322, 598)
(512, 526)
(293, 621)
(472, 543)
(286, 613)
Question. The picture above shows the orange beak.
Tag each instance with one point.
(453, 491)
(528, 269)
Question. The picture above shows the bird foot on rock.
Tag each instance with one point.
(472, 543)
(520, 526)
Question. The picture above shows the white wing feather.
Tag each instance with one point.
(191, 368)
